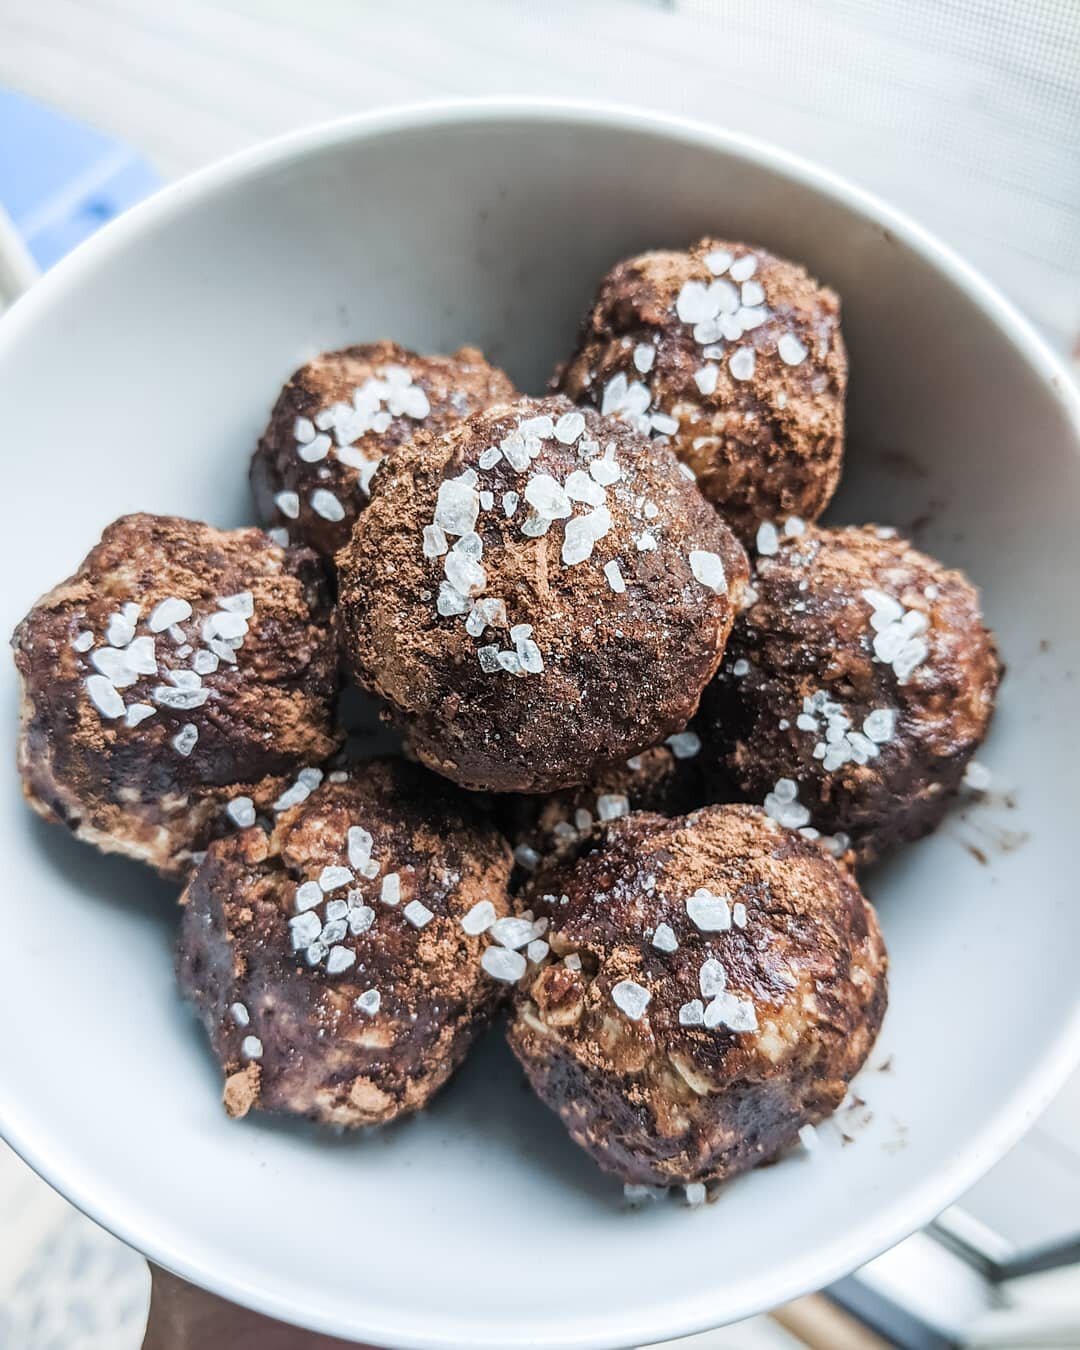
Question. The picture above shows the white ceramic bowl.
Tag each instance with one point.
(137, 375)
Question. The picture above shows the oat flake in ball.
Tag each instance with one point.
(856, 687)
(340, 415)
(338, 963)
(713, 984)
(734, 356)
(180, 682)
(537, 593)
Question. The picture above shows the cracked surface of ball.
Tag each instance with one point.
(861, 680)
(536, 594)
(339, 416)
(736, 356)
(327, 959)
(714, 983)
(179, 669)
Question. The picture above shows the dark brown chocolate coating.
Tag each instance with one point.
(657, 780)
(158, 790)
(657, 1101)
(623, 665)
(801, 676)
(398, 393)
(315, 1053)
(760, 411)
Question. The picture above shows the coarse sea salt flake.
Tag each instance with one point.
(614, 576)
(326, 505)
(741, 363)
(664, 939)
(167, 612)
(417, 914)
(569, 427)
(185, 739)
(644, 356)
(708, 569)
(612, 805)
(977, 777)
(768, 539)
(512, 932)
(684, 744)
(502, 964)
(706, 377)
(103, 696)
(712, 977)
(631, 998)
(241, 811)
(479, 918)
(331, 878)
(435, 541)
(711, 913)
(457, 505)
(339, 959)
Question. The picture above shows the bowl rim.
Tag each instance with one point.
(862, 1240)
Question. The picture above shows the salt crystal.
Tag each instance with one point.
(664, 939)
(741, 363)
(706, 378)
(185, 739)
(502, 964)
(569, 427)
(631, 998)
(612, 805)
(768, 540)
(417, 914)
(614, 576)
(708, 568)
(790, 350)
(435, 541)
(241, 811)
(712, 977)
(684, 744)
(711, 913)
(339, 959)
(167, 612)
(479, 918)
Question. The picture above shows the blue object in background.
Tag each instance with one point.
(59, 180)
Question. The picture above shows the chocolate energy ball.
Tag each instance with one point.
(337, 963)
(733, 355)
(713, 984)
(856, 687)
(175, 686)
(665, 780)
(337, 418)
(537, 593)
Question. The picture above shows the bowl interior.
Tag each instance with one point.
(139, 377)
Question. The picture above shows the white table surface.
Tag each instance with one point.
(965, 113)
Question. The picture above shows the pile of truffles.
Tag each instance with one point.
(652, 721)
